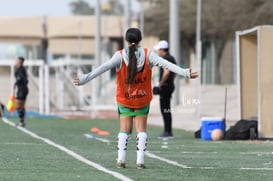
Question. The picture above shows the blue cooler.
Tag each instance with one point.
(209, 124)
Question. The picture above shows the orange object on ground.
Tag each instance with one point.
(94, 130)
(11, 103)
(103, 133)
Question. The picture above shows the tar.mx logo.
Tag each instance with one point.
(188, 105)
(186, 101)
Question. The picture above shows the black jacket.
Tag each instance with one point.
(21, 79)
(170, 80)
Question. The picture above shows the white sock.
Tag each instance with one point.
(122, 146)
(141, 141)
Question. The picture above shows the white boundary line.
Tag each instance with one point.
(151, 155)
(70, 152)
(92, 137)
(256, 153)
(16, 143)
(261, 169)
(165, 160)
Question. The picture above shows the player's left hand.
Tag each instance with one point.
(76, 81)
(193, 75)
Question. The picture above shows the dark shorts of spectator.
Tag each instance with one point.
(22, 93)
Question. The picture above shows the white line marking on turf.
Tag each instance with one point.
(256, 169)
(205, 168)
(198, 152)
(165, 160)
(103, 140)
(174, 162)
(92, 137)
(255, 153)
(70, 152)
(15, 143)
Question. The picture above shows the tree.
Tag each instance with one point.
(115, 7)
(220, 20)
(109, 7)
(80, 7)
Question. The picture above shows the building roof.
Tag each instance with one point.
(64, 33)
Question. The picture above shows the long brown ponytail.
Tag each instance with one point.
(132, 66)
(133, 36)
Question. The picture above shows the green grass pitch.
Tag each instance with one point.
(25, 158)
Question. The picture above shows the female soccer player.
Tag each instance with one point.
(134, 93)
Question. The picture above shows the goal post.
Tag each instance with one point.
(255, 62)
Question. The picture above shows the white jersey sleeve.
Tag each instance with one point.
(114, 62)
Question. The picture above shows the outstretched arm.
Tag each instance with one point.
(156, 60)
(112, 63)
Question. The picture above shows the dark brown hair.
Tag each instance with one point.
(133, 36)
(22, 59)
